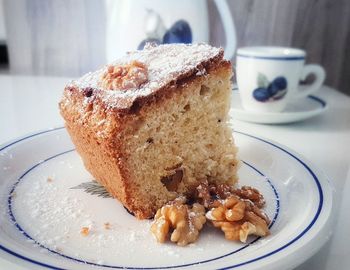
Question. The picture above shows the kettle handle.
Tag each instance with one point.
(229, 27)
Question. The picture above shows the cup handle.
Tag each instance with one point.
(320, 75)
(229, 27)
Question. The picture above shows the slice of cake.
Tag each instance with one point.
(153, 125)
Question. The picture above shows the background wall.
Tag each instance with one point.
(321, 27)
(58, 37)
(67, 37)
(2, 23)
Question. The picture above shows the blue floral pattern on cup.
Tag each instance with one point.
(270, 91)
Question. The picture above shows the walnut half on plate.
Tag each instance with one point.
(237, 219)
(185, 221)
(236, 211)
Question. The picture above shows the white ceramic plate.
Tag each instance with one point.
(41, 215)
(298, 110)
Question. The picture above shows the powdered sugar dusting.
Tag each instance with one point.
(165, 63)
(52, 213)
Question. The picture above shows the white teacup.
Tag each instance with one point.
(268, 77)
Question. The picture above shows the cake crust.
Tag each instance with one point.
(101, 121)
(163, 76)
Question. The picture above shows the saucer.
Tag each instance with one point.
(298, 110)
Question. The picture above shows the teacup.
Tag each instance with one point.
(268, 77)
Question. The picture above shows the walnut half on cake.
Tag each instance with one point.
(153, 125)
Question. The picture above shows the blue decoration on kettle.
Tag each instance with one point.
(179, 32)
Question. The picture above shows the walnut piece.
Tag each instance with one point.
(251, 194)
(208, 194)
(236, 211)
(125, 77)
(185, 221)
(237, 218)
(232, 209)
(107, 226)
(85, 231)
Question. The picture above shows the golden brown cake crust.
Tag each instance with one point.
(98, 121)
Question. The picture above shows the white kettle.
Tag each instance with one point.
(131, 23)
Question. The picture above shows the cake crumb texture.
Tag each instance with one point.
(150, 145)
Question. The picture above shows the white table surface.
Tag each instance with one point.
(29, 104)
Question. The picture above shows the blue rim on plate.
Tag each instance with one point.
(18, 226)
(314, 177)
